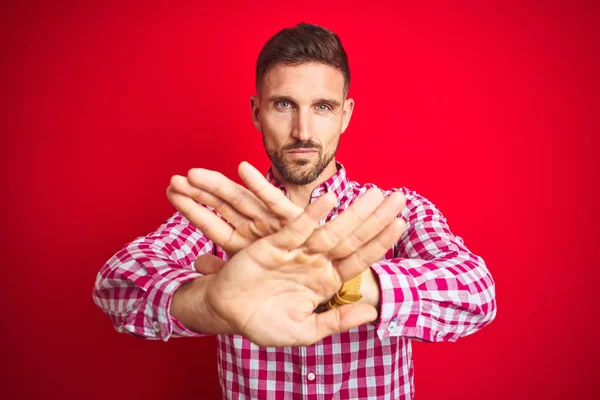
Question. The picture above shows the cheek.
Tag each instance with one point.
(276, 128)
(279, 121)
(328, 129)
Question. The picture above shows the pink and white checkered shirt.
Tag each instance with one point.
(432, 289)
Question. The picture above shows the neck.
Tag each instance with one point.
(300, 194)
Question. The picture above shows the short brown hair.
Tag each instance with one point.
(300, 44)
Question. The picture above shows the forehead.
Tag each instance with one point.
(307, 80)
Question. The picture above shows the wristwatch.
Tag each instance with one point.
(348, 294)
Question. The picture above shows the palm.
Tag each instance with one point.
(274, 293)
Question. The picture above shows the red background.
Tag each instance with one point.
(490, 111)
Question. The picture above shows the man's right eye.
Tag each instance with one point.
(283, 104)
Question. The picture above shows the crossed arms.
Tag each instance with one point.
(283, 263)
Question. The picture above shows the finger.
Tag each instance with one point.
(271, 196)
(202, 218)
(294, 234)
(383, 215)
(181, 185)
(371, 252)
(342, 318)
(338, 229)
(240, 198)
(208, 264)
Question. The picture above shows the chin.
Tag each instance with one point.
(300, 174)
(301, 163)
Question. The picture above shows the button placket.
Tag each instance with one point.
(303, 369)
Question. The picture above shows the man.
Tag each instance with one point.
(314, 284)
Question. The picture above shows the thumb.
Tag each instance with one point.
(208, 264)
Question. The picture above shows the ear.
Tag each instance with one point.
(348, 107)
(255, 107)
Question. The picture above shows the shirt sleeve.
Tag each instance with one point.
(134, 288)
(434, 289)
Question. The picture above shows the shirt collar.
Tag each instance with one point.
(336, 183)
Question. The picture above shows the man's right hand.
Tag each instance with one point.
(268, 291)
(249, 216)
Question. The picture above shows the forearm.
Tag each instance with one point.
(434, 288)
(135, 293)
(190, 307)
(134, 287)
(431, 301)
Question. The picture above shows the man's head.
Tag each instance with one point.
(302, 80)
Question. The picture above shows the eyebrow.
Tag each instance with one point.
(334, 103)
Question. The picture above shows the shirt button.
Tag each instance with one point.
(155, 326)
(311, 376)
(440, 335)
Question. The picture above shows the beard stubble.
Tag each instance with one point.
(293, 172)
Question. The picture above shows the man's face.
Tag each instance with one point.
(301, 113)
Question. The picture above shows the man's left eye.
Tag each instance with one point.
(323, 107)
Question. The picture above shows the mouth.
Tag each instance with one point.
(301, 154)
(302, 151)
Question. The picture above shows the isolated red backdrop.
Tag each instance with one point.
(491, 111)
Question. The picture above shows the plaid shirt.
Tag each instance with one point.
(432, 289)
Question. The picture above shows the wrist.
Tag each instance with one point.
(191, 306)
(208, 314)
(370, 289)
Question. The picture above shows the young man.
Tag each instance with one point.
(314, 284)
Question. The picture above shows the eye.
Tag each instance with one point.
(283, 104)
(324, 107)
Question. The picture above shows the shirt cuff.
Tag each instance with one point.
(159, 299)
(399, 302)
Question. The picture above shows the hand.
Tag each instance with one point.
(271, 196)
(252, 214)
(268, 291)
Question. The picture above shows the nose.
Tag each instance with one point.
(302, 129)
